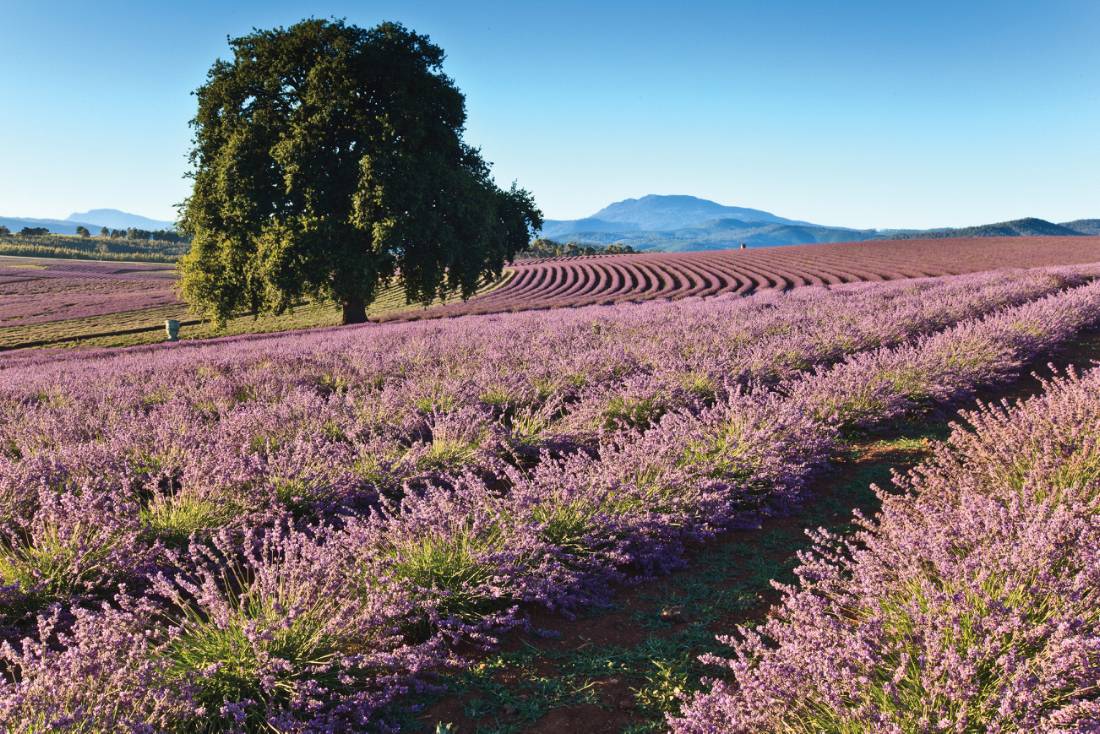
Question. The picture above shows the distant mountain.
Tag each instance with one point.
(680, 223)
(657, 213)
(116, 219)
(1028, 227)
(556, 227)
(657, 222)
(1084, 226)
(93, 220)
(57, 226)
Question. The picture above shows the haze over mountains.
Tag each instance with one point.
(93, 219)
(680, 223)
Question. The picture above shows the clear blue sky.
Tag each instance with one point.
(868, 114)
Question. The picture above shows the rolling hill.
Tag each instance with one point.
(93, 220)
(683, 223)
(56, 226)
(116, 219)
(608, 279)
(1028, 227)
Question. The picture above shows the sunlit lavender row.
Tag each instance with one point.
(972, 603)
(291, 532)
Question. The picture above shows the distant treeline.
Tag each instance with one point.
(551, 248)
(158, 235)
(32, 242)
(22, 250)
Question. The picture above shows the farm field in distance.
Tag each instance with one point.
(624, 278)
(63, 303)
(396, 525)
(46, 302)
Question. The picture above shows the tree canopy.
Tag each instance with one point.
(329, 159)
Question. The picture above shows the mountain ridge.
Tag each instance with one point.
(93, 220)
(118, 219)
(682, 223)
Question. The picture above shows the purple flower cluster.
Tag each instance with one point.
(289, 531)
(971, 603)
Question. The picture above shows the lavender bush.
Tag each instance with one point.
(971, 603)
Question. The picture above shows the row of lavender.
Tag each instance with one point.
(197, 440)
(310, 626)
(972, 603)
(323, 417)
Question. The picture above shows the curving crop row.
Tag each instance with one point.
(578, 281)
(608, 279)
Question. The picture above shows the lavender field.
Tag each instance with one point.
(303, 532)
(972, 603)
(38, 291)
(54, 303)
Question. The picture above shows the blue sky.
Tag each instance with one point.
(867, 114)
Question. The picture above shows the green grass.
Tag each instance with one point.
(448, 454)
(452, 568)
(627, 412)
(54, 564)
(146, 326)
(566, 525)
(229, 659)
(173, 518)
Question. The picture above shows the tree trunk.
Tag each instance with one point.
(355, 311)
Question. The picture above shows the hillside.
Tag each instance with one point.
(684, 223)
(92, 220)
(65, 302)
(116, 219)
(1084, 226)
(1028, 227)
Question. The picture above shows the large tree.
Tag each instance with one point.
(329, 159)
